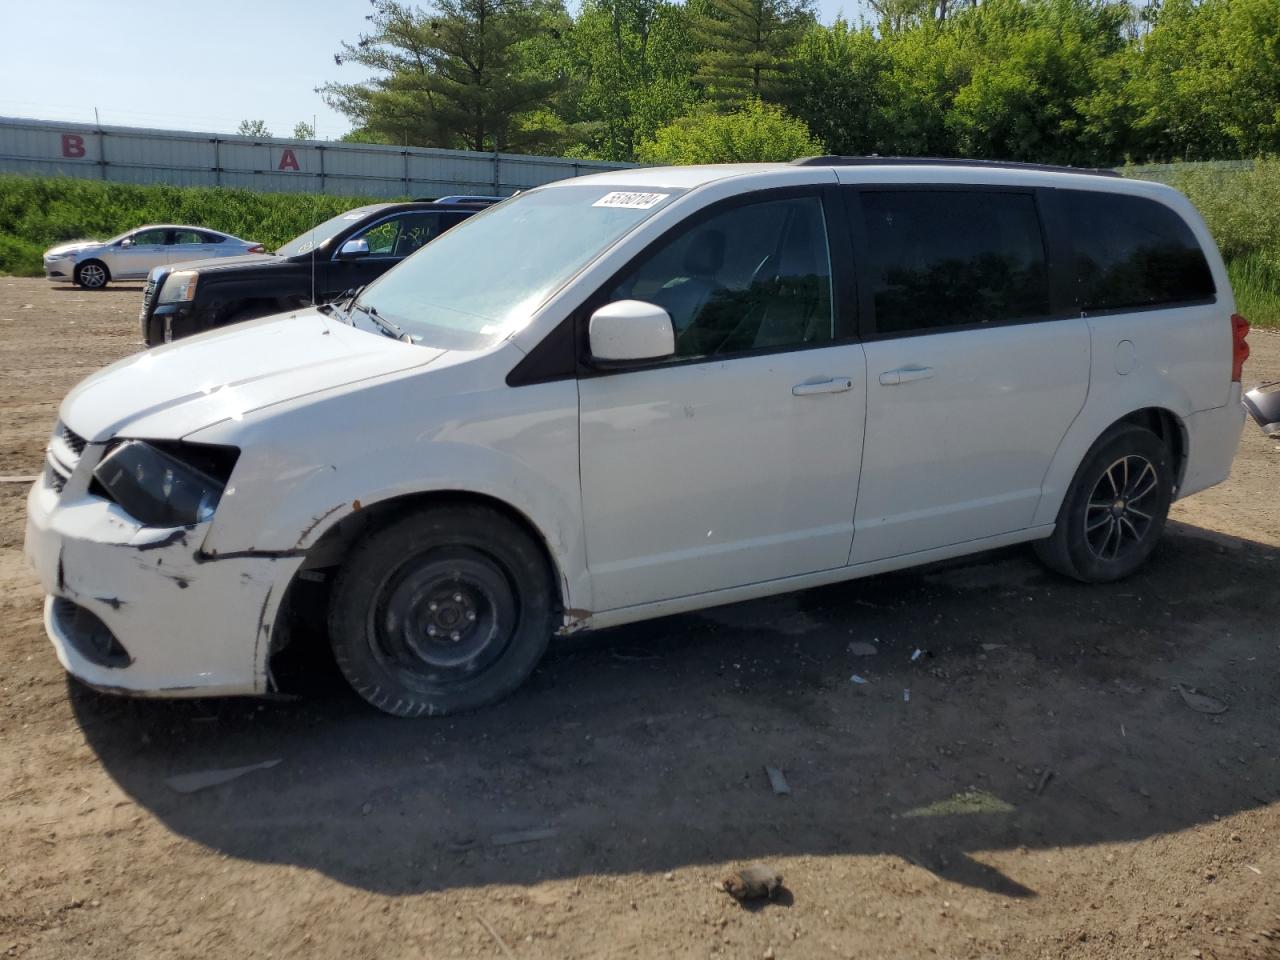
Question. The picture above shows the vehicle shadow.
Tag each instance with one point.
(1037, 712)
(116, 286)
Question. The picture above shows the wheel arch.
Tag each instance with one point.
(1164, 422)
(307, 594)
(1169, 427)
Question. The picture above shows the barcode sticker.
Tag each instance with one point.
(631, 201)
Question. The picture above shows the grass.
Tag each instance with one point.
(1256, 283)
(1242, 209)
(38, 212)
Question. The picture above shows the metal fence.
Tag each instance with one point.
(275, 164)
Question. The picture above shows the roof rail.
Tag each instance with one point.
(835, 161)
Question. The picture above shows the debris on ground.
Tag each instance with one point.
(200, 779)
(857, 679)
(522, 836)
(917, 655)
(860, 648)
(906, 695)
(777, 781)
(506, 951)
(753, 883)
(1044, 781)
(1199, 701)
(21, 479)
(988, 647)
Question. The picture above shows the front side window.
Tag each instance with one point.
(484, 279)
(150, 237)
(1132, 252)
(755, 276)
(401, 236)
(950, 258)
(321, 233)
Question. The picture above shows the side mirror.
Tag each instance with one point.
(354, 249)
(126, 242)
(631, 330)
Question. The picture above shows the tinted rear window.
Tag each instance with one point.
(953, 258)
(1132, 252)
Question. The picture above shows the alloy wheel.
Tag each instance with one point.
(92, 275)
(1117, 517)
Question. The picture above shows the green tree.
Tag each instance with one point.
(1205, 82)
(746, 46)
(253, 128)
(457, 76)
(833, 86)
(630, 64)
(1030, 69)
(303, 131)
(758, 132)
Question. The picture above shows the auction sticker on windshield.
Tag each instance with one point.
(631, 201)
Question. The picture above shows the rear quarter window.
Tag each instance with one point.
(1131, 252)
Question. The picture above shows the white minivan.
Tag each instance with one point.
(637, 393)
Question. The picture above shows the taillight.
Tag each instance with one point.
(1239, 346)
(257, 248)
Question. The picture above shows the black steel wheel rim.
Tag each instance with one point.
(1121, 508)
(443, 617)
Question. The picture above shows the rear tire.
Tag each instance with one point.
(444, 610)
(1115, 510)
(92, 275)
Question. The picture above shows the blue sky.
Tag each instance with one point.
(186, 66)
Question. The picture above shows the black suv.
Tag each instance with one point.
(341, 254)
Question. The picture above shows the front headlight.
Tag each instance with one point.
(179, 286)
(165, 484)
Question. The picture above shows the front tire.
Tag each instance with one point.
(444, 610)
(92, 275)
(1115, 510)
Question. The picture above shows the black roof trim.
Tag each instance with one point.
(835, 161)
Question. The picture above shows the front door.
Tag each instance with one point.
(736, 461)
(146, 249)
(973, 379)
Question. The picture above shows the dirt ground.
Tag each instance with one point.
(1043, 790)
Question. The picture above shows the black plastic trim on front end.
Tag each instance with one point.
(90, 637)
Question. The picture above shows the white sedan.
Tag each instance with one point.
(130, 256)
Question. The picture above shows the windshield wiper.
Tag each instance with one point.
(334, 308)
(389, 328)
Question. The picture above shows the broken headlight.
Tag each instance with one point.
(165, 484)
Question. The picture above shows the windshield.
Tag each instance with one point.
(484, 278)
(310, 239)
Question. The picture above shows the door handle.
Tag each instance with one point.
(905, 375)
(822, 385)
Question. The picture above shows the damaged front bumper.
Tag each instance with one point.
(137, 610)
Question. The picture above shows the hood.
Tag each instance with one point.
(224, 263)
(173, 390)
(73, 246)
